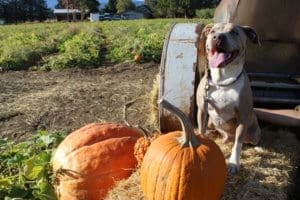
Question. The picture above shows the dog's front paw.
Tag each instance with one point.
(233, 168)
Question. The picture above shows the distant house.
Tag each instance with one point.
(67, 14)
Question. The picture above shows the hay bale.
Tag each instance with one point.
(153, 96)
(267, 170)
(127, 189)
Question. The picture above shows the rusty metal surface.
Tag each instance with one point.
(283, 117)
(275, 89)
(273, 57)
(225, 11)
(177, 73)
(272, 100)
(273, 19)
(273, 75)
(263, 84)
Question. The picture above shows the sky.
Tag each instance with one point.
(52, 3)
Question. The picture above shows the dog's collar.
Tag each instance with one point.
(224, 85)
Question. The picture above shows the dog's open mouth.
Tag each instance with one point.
(220, 58)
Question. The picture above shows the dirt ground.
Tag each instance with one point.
(69, 99)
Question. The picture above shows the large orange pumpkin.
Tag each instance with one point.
(90, 160)
(183, 166)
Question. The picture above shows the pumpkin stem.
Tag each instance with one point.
(189, 138)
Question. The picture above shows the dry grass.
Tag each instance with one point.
(266, 173)
(129, 189)
(267, 169)
(153, 96)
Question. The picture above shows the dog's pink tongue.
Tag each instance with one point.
(217, 60)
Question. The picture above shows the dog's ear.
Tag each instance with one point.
(198, 30)
(202, 32)
(207, 29)
(251, 34)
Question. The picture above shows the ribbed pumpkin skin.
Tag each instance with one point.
(141, 147)
(170, 172)
(91, 159)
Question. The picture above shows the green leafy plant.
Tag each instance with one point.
(57, 46)
(25, 169)
(206, 13)
(24, 46)
(82, 50)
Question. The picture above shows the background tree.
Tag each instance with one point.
(35, 10)
(59, 4)
(86, 6)
(124, 5)
(151, 4)
(24, 10)
(111, 6)
(70, 4)
(178, 8)
(167, 8)
(204, 3)
(185, 8)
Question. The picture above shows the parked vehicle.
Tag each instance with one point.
(116, 17)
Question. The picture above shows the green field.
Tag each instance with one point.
(52, 46)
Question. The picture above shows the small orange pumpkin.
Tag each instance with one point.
(90, 160)
(137, 57)
(184, 166)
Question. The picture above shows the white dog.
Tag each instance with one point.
(226, 88)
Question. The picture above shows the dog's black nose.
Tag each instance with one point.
(219, 37)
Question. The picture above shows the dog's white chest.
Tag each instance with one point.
(224, 101)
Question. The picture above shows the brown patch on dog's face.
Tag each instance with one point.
(226, 43)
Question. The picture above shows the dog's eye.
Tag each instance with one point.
(212, 31)
(234, 32)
